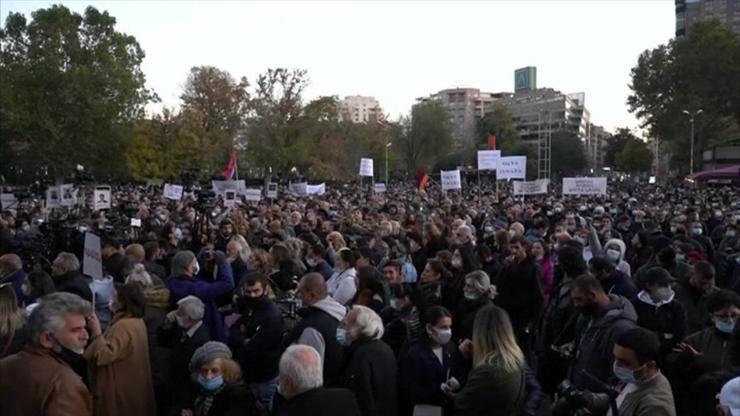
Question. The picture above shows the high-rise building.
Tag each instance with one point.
(525, 79)
(596, 142)
(464, 106)
(359, 109)
(690, 11)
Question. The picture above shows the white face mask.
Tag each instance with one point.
(613, 255)
(443, 335)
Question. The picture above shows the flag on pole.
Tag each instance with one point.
(422, 180)
(230, 170)
(491, 141)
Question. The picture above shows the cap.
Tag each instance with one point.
(659, 276)
(208, 352)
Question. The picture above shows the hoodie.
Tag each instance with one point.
(318, 328)
(621, 265)
(595, 337)
(666, 318)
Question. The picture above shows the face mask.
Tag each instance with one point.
(680, 257)
(457, 263)
(180, 321)
(625, 375)
(310, 262)
(539, 257)
(26, 289)
(470, 294)
(696, 231)
(725, 326)
(196, 269)
(443, 335)
(342, 337)
(178, 233)
(662, 294)
(211, 384)
(613, 255)
(730, 233)
(393, 305)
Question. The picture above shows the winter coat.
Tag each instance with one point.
(181, 348)
(652, 398)
(519, 292)
(370, 371)
(547, 272)
(155, 312)
(207, 292)
(620, 284)
(595, 337)
(74, 282)
(491, 391)
(17, 279)
(37, 382)
(255, 340)
(318, 328)
(667, 319)
(119, 363)
(695, 303)
(421, 375)
(232, 400)
(321, 402)
(462, 327)
(342, 285)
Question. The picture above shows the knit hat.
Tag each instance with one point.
(208, 352)
(730, 396)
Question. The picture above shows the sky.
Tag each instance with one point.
(397, 51)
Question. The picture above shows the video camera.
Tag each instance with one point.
(572, 401)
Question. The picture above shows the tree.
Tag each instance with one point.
(72, 87)
(425, 137)
(567, 155)
(615, 145)
(697, 71)
(635, 158)
(499, 123)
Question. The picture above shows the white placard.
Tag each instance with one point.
(488, 159)
(230, 198)
(220, 187)
(366, 167)
(8, 201)
(254, 194)
(69, 195)
(53, 198)
(584, 186)
(450, 179)
(101, 199)
(92, 260)
(379, 188)
(299, 189)
(531, 188)
(319, 189)
(272, 190)
(512, 167)
(173, 192)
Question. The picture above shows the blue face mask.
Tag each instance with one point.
(342, 336)
(211, 384)
(393, 304)
(725, 326)
(624, 374)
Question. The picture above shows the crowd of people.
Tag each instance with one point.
(355, 303)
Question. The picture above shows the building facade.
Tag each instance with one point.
(690, 11)
(360, 109)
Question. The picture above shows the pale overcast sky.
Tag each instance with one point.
(398, 51)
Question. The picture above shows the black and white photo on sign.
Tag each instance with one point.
(101, 199)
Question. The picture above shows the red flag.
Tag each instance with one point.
(491, 141)
(230, 170)
(422, 179)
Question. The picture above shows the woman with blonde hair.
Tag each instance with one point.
(13, 333)
(495, 385)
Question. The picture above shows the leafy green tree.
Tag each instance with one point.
(615, 145)
(71, 89)
(567, 155)
(697, 71)
(425, 138)
(499, 123)
(635, 158)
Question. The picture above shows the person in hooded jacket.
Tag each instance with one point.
(658, 311)
(603, 319)
(614, 281)
(614, 251)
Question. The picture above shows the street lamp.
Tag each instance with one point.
(387, 145)
(691, 120)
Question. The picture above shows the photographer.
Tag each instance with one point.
(646, 391)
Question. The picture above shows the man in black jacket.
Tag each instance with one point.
(256, 337)
(67, 277)
(301, 384)
(370, 367)
(318, 325)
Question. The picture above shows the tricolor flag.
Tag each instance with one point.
(491, 141)
(230, 172)
(422, 179)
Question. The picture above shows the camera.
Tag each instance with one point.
(572, 401)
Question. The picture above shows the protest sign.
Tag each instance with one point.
(584, 186)
(488, 159)
(379, 188)
(366, 167)
(512, 167)
(69, 195)
(173, 192)
(272, 190)
(53, 199)
(101, 198)
(319, 189)
(7, 201)
(531, 188)
(450, 179)
(230, 199)
(254, 194)
(92, 260)
(220, 187)
(298, 189)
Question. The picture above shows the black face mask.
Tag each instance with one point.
(245, 303)
(589, 309)
(76, 361)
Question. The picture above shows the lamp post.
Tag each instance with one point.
(387, 145)
(691, 120)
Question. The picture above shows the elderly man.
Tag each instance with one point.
(67, 277)
(370, 369)
(45, 378)
(186, 281)
(184, 332)
(301, 384)
(11, 271)
(320, 318)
